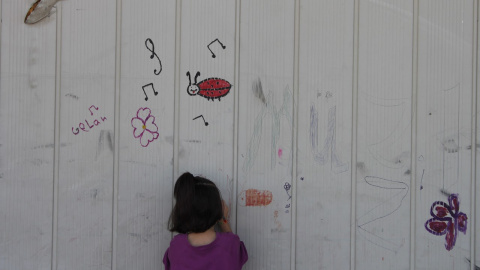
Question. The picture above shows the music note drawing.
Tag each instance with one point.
(206, 123)
(147, 85)
(208, 46)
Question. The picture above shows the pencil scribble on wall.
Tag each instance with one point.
(285, 111)
(447, 220)
(287, 188)
(387, 144)
(329, 145)
(105, 140)
(392, 195)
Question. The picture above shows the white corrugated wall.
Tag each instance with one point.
(346, 121)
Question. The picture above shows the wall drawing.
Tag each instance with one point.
(447, 220)
(208, 46)
(287, 188)
(151, 47)
(144, 127)
(147, 86)
(211, 88)
(201, 116)
(269, 108)
(394, 134)
(255, 197)
(329, 146)
(89, 125)
(392, 195)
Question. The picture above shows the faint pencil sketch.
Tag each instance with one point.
(395, 133)
(269, 109)
(392, 195)
(329, 146)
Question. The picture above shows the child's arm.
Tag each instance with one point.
(223, 223)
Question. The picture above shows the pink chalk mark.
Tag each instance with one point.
(280, 152)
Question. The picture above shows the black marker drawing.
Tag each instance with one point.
(392, 195)
(206, 123)
(147, 85)
(329, 146)
(154, 54)
(208, 46)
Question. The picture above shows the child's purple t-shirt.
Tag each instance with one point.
(224, 253)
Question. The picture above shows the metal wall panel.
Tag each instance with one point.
(444, 128)
(27, 110)
(324, 135)
(265, 137)
(384, 135)
(145, 156)
(86, 130)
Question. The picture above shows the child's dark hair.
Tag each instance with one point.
(198, 205)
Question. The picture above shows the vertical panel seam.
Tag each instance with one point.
(176, 124)
(296, 73)
(236, 112)
(474, 134)
(413, 136)
(56, 154)
(116, 158)
(356, 15)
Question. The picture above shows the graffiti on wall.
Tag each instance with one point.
(447, 220)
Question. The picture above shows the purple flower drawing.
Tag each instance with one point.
(144, 126)
(447, 220)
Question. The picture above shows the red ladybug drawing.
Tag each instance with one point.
(210, 88)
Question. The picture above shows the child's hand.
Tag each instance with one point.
(225, 209)
(224, 226)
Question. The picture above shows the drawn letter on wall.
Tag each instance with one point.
(329, 146)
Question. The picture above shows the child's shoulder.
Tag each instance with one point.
(179, 238)
(228, 236)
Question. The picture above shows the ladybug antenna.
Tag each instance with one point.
(189, 79)
(196, 75)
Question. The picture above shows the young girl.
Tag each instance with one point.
(197, 209)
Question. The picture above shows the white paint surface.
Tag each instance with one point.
(402, 107)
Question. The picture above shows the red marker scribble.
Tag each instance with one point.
(254, 197)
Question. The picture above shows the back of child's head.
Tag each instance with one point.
(198, 205)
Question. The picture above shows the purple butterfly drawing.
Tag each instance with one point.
(447, 220)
